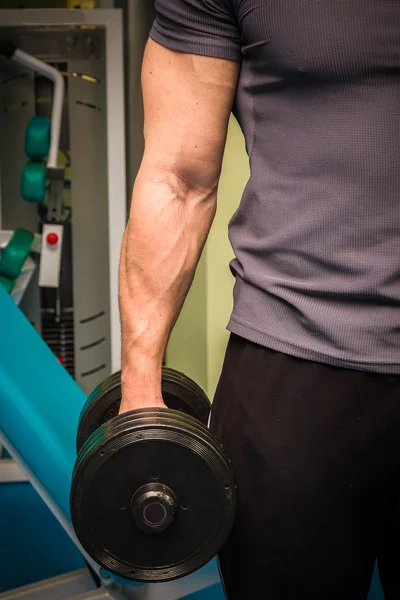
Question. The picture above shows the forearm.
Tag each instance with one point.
(168, 226)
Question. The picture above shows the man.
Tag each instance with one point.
(308, 405)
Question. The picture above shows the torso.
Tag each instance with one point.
(317, 233)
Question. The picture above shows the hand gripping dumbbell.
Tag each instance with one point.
(153, 495)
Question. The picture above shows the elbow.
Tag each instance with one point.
(183, 185)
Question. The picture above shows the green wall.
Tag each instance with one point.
(235, 174)
(199, 339)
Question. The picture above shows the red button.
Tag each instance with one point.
(52, 239)
(60, 360)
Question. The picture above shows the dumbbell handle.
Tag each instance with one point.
(153, 507)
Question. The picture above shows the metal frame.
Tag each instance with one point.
(10, 472)
(79, 585)
(66, 586)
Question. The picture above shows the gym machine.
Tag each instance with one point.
(61, 77)
(63, 193)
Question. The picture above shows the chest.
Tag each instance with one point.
(322, 38)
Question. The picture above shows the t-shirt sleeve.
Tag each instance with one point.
(205, 27)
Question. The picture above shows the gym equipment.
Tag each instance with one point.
(67, 68)
(7, 284)
(40, 404)
(10, 51)
(153, 495)
(33, 182)
(37, 138)
(179, 393)
(15, 254)
(18, 287)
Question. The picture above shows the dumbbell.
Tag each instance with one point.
(152, 495)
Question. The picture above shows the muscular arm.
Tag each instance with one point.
(187, 102)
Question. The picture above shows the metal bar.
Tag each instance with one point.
(176, 590)
(57, 588)
(39, 66)
(100, 594)
(10, 472)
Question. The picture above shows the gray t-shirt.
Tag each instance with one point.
(316, 236)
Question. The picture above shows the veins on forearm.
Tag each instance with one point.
(162, 245)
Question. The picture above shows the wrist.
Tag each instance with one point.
(141, 384)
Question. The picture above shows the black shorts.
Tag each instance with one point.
(316, 455)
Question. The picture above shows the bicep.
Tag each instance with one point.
(187, 102)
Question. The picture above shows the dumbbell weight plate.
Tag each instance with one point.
(128, 453)
(145, 417)
(179, 393)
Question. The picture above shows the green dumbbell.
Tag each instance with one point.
(33, 182)
(37, 138)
